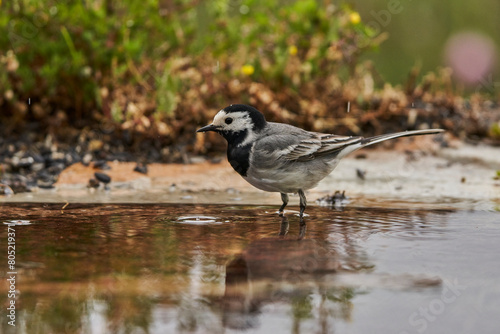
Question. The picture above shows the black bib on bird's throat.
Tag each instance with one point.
(238, 156)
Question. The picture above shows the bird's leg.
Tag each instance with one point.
(303, 203)
(284, 198)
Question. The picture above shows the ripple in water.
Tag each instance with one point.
(17, 222)
(198, 220)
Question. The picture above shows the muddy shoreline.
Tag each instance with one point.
(419, 172)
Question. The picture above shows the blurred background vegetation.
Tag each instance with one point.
(158, 69)
(419, 32)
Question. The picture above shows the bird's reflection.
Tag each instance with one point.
(284, 227)
(277, 270)
(306, 277)
(240, 309)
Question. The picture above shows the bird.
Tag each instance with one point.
(279, 157)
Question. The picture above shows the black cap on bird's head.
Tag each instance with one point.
(236, 118)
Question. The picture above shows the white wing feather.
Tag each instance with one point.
(321, 144)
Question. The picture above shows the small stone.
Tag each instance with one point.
(38, 158)
(57, 156)
(55, 168)
(360, 156)
(104, 178)
(101, 164)
(87, 158)
(93, 183)
(14, 162)
(44, 174)
(25, 162)
(141, 168)
(71, 157)
(95, 145)
(360, 173)
(38, 166)
(45, 184)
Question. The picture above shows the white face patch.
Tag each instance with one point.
(240, 121)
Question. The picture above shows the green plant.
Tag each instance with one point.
(134, 63)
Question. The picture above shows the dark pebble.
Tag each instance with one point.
(55, 168)
(45, 175)
(360, 156)
(360, 173)
(102, 177)
(38, 158)
(141, 168)
(101, 164)
(45, 184)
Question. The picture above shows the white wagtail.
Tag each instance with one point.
(282, 158)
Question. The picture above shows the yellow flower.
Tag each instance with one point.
(247, 69)
(354, 18)
(292, 50)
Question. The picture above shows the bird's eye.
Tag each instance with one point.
(228, 120)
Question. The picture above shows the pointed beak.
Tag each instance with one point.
(209, 127)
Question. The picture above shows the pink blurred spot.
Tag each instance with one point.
(470, 55)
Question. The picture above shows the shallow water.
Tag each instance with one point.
(94, 268)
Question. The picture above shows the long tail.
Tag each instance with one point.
(377, 139)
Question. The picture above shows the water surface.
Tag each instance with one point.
(111, 268)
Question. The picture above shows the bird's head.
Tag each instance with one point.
(238, 123)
